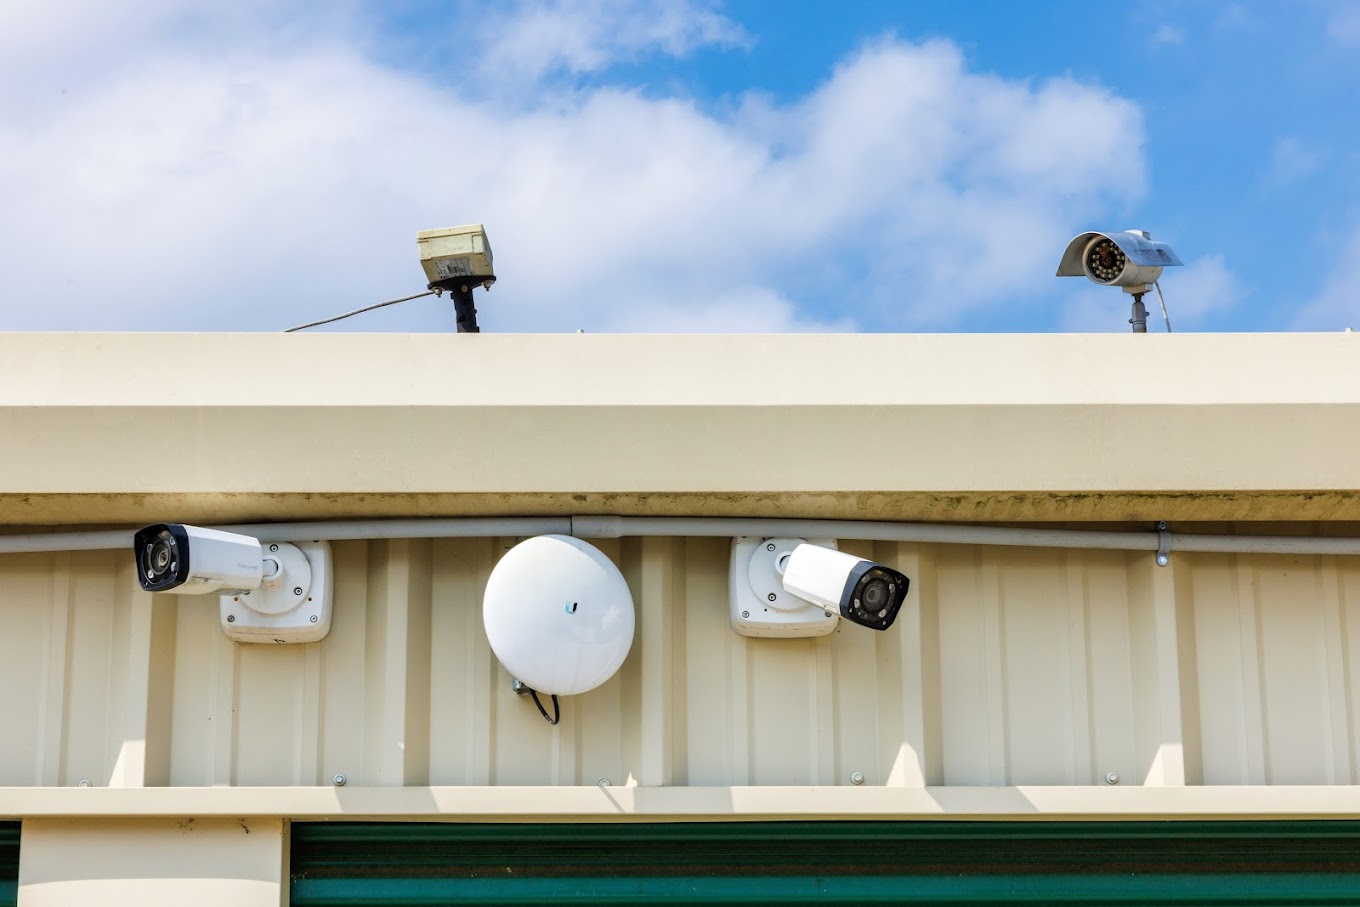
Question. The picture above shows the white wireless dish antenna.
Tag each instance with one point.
(558, 615)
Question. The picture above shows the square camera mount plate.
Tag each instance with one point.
(290, 607)
(760, 605)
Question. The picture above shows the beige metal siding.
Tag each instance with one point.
(1007, 667)
(1275, 644)
(76, 653)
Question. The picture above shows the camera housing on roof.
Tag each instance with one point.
(1128, 259)
(455, 254)
(456, 260)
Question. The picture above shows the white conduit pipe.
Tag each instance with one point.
(608, 527)
(605, 527)
(65, 541)
(457, 528)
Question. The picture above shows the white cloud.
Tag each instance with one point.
(1337, 304)
(520, 44)
(261, 175)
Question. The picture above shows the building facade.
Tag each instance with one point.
(1044, 703)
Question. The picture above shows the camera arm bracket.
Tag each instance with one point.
(460, 288)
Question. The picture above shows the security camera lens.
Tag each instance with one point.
(875, 595)
(161, 552)
(1104, 260)
(160, 556)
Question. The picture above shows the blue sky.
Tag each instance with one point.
(676, 166)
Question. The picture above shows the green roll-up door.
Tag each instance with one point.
(850, 862)
(9, 863)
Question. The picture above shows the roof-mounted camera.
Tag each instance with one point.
(1127, 259)
(457, 259)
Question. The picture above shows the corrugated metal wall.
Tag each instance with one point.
(1008, 666)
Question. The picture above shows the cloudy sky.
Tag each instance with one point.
(675, 166)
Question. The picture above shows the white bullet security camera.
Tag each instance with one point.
(196, 561)
(272, 592)
(861, 591)
(794, 588)
(1128, 259)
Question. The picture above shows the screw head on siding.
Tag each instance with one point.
(339, 780)
(84, 782)
(857, 777)
(1112, 777)
(604, 782)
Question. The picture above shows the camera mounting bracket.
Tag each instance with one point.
(293, 602)
(460, 289)
(760, 605)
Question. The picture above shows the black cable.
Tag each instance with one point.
(557, 710)
(367, 308)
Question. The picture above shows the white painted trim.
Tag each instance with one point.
(689, 803)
